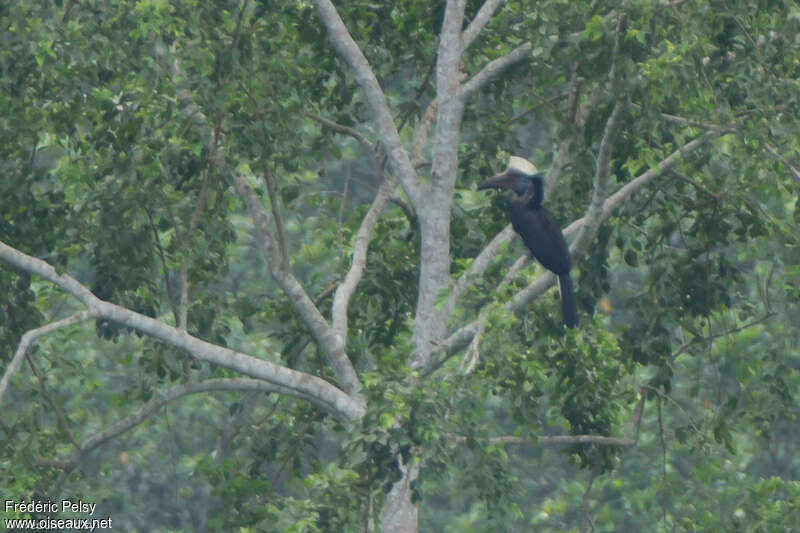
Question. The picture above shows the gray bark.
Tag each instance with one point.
(298, 384)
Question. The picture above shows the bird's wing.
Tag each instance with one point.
(542, 236)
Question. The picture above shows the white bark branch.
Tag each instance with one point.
(477, 268)
(795, 173)
(595, 210)
(376, 100)
(494, 68)
(421, 133)
(628, 440)
(344, 130)
(160, 400)
(344, 292)
(331, 344)
(688, 122)
(183, 314)
(26, 341)
(616, 199)
(553, 440)
(482, 17)
(298, 384)
(434, 208)
(399, 513)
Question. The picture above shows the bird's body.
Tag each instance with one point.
(539, 231)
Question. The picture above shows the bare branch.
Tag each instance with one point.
(31, 336)
(421, 133)
(183, 316)
(449, 102)
(164, 269)
(673, 401)
(183, 309)
(595, 209)
(559, 161)
(67, 9)
(495, 68)
(699, 186)
(298, 384)
(331, 344)
(376, 100)
(473, 352)
(588, 523)
(449, 108)
(339, 218)
(612, 74)
(576, 117)
(256, 209)
(344, 130)
(361, 241)
(434, 207)
(688, 122)
(636, 418)
(160, 400)
(616, 199)
(202, 196)
(420, 91)
(470, 360)
(709, 338)
(792, 170)
(482, 17)
(477, 268)
(269, 180)
(451, 46)
(54, 407)
(360, 245)
(554, 440)
(407, 210)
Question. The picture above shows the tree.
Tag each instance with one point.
(403, 339)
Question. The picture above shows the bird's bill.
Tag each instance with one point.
(498, 181)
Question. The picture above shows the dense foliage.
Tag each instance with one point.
(122, 125)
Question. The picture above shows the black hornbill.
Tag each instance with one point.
(536, 226)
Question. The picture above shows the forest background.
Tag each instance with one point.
(247, 282)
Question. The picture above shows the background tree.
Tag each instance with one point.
(402, 365)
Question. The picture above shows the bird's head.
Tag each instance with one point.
(518, 177)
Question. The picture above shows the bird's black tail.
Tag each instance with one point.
(569, 309)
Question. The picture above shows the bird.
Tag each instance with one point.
(537, 227)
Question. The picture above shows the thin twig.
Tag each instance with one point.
(29, 337)
(482, 17)
(795, 173)
(54, 407)
(495, 67)
(269, 179)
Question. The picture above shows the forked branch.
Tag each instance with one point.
(331, 344)
(298, 384)
(31, 336)
(376, 100)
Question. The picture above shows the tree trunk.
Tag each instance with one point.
(399, 513)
